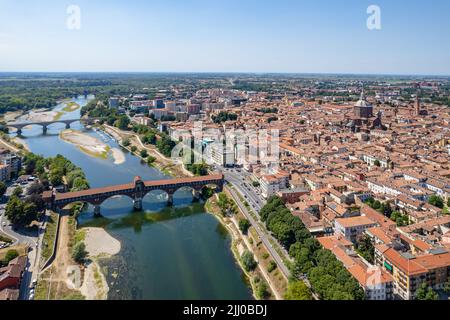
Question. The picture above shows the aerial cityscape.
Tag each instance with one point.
(219, 182)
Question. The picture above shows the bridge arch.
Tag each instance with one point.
(155, 200)
(116, 204)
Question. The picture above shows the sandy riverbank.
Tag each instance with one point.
(71, 106)
(98, 244)
(91, 145)
(41, 116)
(11, 116)
(118, 155)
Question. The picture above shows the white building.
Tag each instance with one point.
(352, 227)
(272, 183)
(221, 155)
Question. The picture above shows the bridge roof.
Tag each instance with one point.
(91, 192)
(162, 183)
(128, 186)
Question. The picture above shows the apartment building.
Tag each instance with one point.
(410, 271)
(353, 227)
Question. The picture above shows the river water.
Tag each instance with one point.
(167, 253)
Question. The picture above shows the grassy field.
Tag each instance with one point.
(4, 238)
(49, 237)
(47, 289)
(22, 249)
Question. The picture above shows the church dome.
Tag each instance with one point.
(362, 103)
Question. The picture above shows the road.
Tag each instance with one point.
(240, 180)
(262, 234)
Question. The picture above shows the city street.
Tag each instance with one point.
(241, 182)
(21, 237)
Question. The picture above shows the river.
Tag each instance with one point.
(167, 253)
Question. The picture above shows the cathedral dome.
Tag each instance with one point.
(362, 103)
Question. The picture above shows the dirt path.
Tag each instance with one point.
(63, 258)
(59, 277)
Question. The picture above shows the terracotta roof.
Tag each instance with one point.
(354, 221)
(128, 186)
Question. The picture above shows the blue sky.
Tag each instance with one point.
(306, 36)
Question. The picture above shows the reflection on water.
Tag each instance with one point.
(167, 253)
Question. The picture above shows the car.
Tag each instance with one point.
(31, 297)
(33, 283)
(4, 224)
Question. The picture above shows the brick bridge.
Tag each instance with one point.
(45, 124)
(135, 190)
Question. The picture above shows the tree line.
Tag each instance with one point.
(327, 275)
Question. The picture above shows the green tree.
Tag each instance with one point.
(207, 193)
(151, 160)
(297, 290)
(248, 261)
(426, 293)
(144, 153)
(2, 188)
(133, 148)
(436, 201)
(272, 266)
(18, 191)
(79, 252)
(20, 213)
(11, 255)
(366, 249)
(261, 291)
(447, 287)
(126, 142)
(377, 163)
(244, 225)
(123, 122)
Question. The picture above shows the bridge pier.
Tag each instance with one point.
(97, 211)
(170, 200)
(67, 125)
(195, 196)
(19, 131)
(44, 129)
(138, 204)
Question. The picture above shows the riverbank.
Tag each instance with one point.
(91, 146)
(71, 106)
(99, 244)
(162, 163)
(239, 245)
(41, 116)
